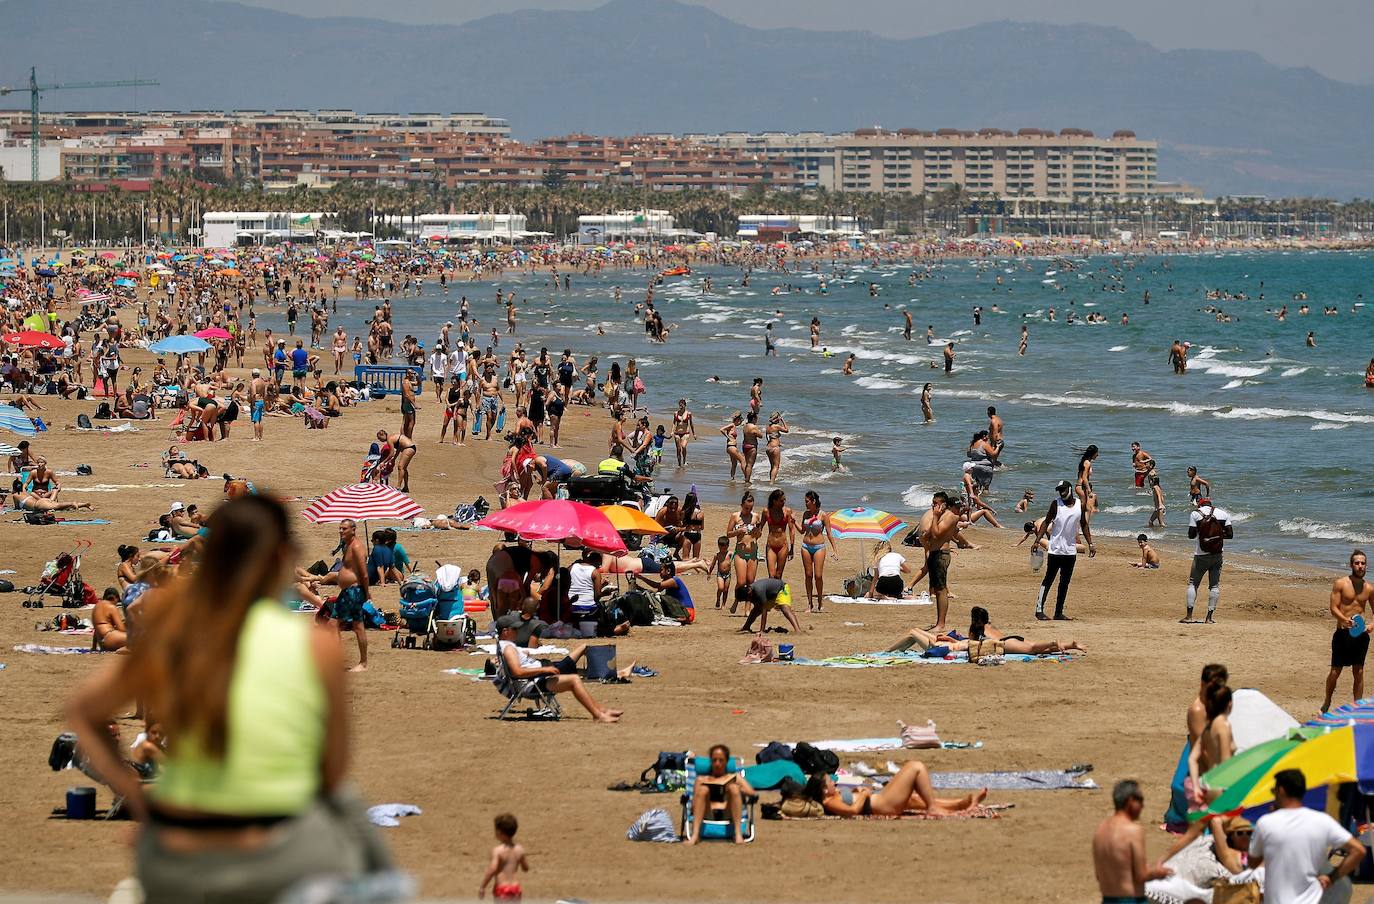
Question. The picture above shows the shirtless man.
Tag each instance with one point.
(1349, 597)
(491, 402)
(937, 528)
(402, 450)
(351, 579)
(1199, 488)
(257, 395)
(1142, 461)
(906, 329)
(949, 358)
(1119, 850)
(995, 428)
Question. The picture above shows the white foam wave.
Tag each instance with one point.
(1124, 509)
(1269, 414)
(1118, 348)
(1329, 426)
(1318, 530)
(1234, 370)
(879, 383)
(1294, 371)
(1237, 384)
(917, 496)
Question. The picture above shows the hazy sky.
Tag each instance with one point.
(1331, 36)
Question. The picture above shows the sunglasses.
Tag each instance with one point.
(1243, 832)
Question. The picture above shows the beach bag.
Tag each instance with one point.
(812, 760)
(913, 537)
(1223, 892)
(40, 518)
(918, 737)
(84, 470)
(670, 607)
(979, 650)
(774, 751)
(653, 825)
(669, 765)
(84, 422)
(1211, 533)
(608, 617)
(760, 650)
(102, 412)
(859, 585)
(801, 808)
(637, 605)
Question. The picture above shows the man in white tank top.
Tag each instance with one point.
(1062, 522)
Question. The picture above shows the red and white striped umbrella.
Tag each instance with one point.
(363, 502)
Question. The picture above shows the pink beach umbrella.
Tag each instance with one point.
(363, 502)
(213, 334)
(558, 520)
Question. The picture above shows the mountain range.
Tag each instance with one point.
(1228, 121)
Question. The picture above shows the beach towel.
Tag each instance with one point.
(44, 648)
(472, 673)
(979, 812)
(869, 745)
(1074, 778)
(888, 660)
(83, 521)
(121, 428)
(388, 815)
(767, 776)
(922, 600)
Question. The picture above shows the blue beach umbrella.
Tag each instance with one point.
(179, 345)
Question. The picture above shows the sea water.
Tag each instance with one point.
(1283, 431)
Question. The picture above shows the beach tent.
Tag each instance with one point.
(1255, 720)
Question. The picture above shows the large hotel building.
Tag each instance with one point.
(286, 148)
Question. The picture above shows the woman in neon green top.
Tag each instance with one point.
(250, 699)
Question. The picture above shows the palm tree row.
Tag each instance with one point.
(172, 207)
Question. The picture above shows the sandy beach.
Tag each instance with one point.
(428, 738)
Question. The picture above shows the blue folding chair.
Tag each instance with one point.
(716, 825)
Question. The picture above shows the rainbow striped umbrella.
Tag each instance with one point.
(865, 524)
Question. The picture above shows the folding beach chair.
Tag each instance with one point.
(543, 705)
(716, 825)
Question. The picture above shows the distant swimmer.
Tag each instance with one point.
(926, 411)
(906, 330)
(1369, 374)
(837, 451)
(1025, 340)
(1311, 339)
(848, 370)
(995, 428)
(930, 334)
(949, 357)
(815, 331)
(1157, 495)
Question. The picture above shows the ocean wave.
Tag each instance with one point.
(1294, 371)
(1124, 509)
(1269, 414)
(1235, 370)
(1118, 348)
(1129, 534)
(917, 496)
(1237, 384)
(1329, 426)
(879, 383)
(1092, 402)
(1318, 530)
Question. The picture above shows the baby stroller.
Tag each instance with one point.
(451, 628)
(419, 596)
(62, 578)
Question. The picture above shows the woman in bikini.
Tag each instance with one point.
(749, 444)
(731, 433)
(782, 533)
(206, 405)
(980, 628)
(1217, 744)
(816, 534)
(756, 395)
(340, 348)
(633, 384)
(744, 526)
(693, 523)
(683, 427)
(776, 428)
(1084, 486)
(909, 789)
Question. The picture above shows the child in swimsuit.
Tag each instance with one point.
(720, 567)
(507, 859)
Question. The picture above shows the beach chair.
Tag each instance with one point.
(542, 704)
(66, 752)
(449, 625)
(716, 825)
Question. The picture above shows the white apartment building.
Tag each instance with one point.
(1072, 164)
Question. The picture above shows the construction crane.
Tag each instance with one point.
(36, 89)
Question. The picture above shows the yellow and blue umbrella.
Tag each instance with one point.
(1335, 757)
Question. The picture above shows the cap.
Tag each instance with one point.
(257, 372)
(177, 507)
(1062, 485)
(1237, 823)
(1202, 502)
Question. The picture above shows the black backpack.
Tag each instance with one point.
(776, 750)
(84, 422)
(668, 761)
(636, 604)
(608, 617)
(103, 412)
(812, 760)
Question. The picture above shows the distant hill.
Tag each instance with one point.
(1228, 120)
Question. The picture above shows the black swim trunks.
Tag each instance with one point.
(1347, 651)
(937, 565)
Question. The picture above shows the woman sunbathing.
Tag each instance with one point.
(980, 628)
(178, 465)
(909, 789)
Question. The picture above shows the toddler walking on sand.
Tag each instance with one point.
(507, 859)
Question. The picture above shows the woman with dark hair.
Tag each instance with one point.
(782, 532)
(744, 526)
(1216, 745)
(1084, 486)
(731, 433)
(693, 523)
(980, 628)
(909, 789)
(127, 572)
(751, 433)
(250, 699)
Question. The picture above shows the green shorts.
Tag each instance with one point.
(937, 566)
